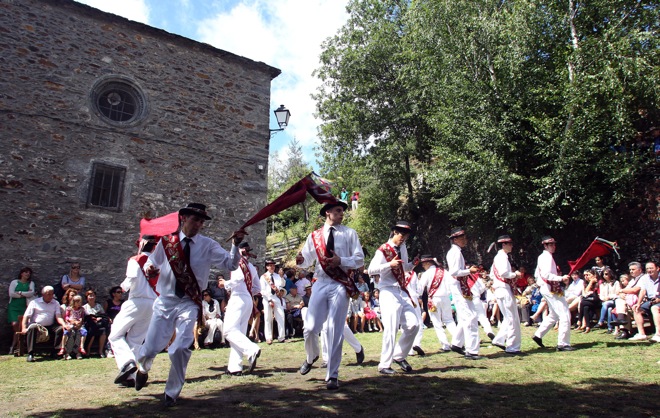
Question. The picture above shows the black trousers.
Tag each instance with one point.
(54, 333)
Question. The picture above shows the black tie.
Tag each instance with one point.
(398, 251)
(330, 246)
(180, 290)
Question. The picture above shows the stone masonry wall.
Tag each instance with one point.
(204, 134)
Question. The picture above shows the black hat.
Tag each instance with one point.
(332, 205)
(269, 261)
(402, 226)
(195, 209)
(547, 239)
(456, 232)
(150, 238)
(502, 239)
(427, 258)
(245, 245)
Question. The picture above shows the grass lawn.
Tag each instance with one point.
(604, 377)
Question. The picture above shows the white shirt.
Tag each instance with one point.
(40, 312)
(136, 283)
(207, 309)
(503, 266)
(413, 288)
(347, 247)
(265, 281)
(380, 265)
(204, 253)
(301, 283)
(455, 268)
(236, 284)
(651, 286)
(427, 278)
(546, 268)
(575, 288)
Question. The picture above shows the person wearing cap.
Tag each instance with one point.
(549, 283)
(243, 285)
(434, 280)
(466, 338)
(509, 336)
(271, 282)
(131, 323)
(397, 308)
(335, 249)
(183, 260)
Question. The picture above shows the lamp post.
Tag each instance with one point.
(282, 115)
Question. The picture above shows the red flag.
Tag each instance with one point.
(598, 248)
(160, 226)
(296, 194)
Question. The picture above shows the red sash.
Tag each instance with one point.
(555, 286)
(434, 286)
(243, 265)
(510, 282)
(182, 271)
(466, 283)
(389, 254)
(142, 260)
(335, 273)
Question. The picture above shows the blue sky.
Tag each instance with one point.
(286, 34)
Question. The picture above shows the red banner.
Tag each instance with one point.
(598, 248)
(164, 225)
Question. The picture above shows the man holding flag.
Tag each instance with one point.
(335, 249)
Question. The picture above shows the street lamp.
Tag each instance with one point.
(282, 115)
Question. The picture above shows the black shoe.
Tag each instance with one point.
(419, 350)
(459, 350)
(491, 336)
(623, 335)
(538, 341)
(500, 346)
(404, 365)
(238, 373)
(360, 356)
(565, 348)
(140, 379)
(128, 383)
(169, 402)
(389, 370)
(126, 370)
(469, 356)
(332, 384)
(306, 367)
(514, 353)
(252, 361)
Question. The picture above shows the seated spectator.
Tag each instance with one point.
(533, 293)
(112, 306)
(74, 330)
(212, 318)
(375, 305)
(219, 293)
(305, 298)
(573, 293)
(302, 282)
(21, 292)
(66, 300)
(294, 305)
(608, 291)
(355, 312)
(362, 286)
(521, 282)
(288, 279)
(627, 299)
(590, 302)
(42, 319)
(96, 322)
(370, 316)
(73, 280)
(648, 297)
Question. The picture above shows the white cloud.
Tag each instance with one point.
(286, 34)
(136, 10)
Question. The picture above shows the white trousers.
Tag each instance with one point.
(129, 329)
(467, 329)
(396, 309)
(269, 312)
(482, 318)
(509, 334)
(213, 324)
(349, 337)
(420, 331)
(170, 314)
(329, 302)
(557, 312)
(237, 316)
(443, 316)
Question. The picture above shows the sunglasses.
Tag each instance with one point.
(119, 291)
(75, 267)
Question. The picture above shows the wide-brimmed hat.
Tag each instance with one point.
(332, 205)
(308, 286)
(402, 226)
(548, 240)
(195, 209)
(503, 239)
(427, 258)
(456, 232)
(269, 261)
(245, 245)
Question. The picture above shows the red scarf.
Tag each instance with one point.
(182, 271)
(142, 260)
(438, 275)
(390, 254)
(335, 273)
(243, 265)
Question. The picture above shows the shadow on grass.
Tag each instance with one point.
(393, 396)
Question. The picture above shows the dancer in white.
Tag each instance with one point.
(131, 323)
(271, 283)
(509, 336)
(243, 286)
(434, 279)
(550, 285)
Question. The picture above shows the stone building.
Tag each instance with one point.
(104, 121)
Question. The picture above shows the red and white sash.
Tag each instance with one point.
(142, 260)
(434, 286)
(510, 282)
(336, 273)
(245, 269)
(182, 271)
(390, 254)
(555, 286)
